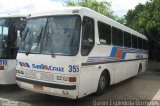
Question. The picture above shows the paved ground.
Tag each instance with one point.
(145, 87)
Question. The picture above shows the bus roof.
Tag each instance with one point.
(90, 13)
(12, 16)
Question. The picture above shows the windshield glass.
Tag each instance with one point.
(31, 34)
(3, 36)
(52, 35)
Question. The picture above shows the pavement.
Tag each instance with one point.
(140, 91)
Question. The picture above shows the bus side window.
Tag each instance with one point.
(134, 41)
(104, 33)
(140, 43)
(145, 45)
(117, 36)
(87, 36)
(127, 39)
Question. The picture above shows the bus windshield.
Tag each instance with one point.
(52, 35)
(3, 36)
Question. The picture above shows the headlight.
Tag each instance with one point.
(59, 77)
(20, 72)
(65, 78)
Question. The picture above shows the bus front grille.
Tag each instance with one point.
(39, 75)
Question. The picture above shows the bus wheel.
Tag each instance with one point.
(139, 70)
(102, 84)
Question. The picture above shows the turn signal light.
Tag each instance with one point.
(66, 78)
(72, 79)
(1, 67)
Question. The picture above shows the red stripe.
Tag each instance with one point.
(24, 65)
(119, 53)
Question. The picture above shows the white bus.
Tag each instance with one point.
(73, 52)
(11, 28)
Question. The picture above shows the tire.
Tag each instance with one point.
(139, 70)
(102, 84)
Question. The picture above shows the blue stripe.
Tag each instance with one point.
(27, 65)
(20, 64)
(123, 55)
(114, 51)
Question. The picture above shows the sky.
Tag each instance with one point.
(120, 7)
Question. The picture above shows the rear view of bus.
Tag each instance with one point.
(11, 28)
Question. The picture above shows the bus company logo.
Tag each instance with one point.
(46, 67)
(41, 66)
(23, 64)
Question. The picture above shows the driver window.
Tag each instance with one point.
(87, 36)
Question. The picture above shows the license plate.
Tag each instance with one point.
(38, 87)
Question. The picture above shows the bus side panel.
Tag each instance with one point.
(8, 75)
(144, 65)
(111, 69)
(89, 77)
(119, 72)
(88, 80)
(125, 70)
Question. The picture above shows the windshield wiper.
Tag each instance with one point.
(39, 38)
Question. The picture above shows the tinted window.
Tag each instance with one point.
(134, 41)
(87, 36)
(117, 36)
(139, 43)
(3, 37)
(145, 44)
(104, 33)
(127, 39)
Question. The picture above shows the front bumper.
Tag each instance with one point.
(61, 90)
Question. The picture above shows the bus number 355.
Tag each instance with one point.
(73, 68)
